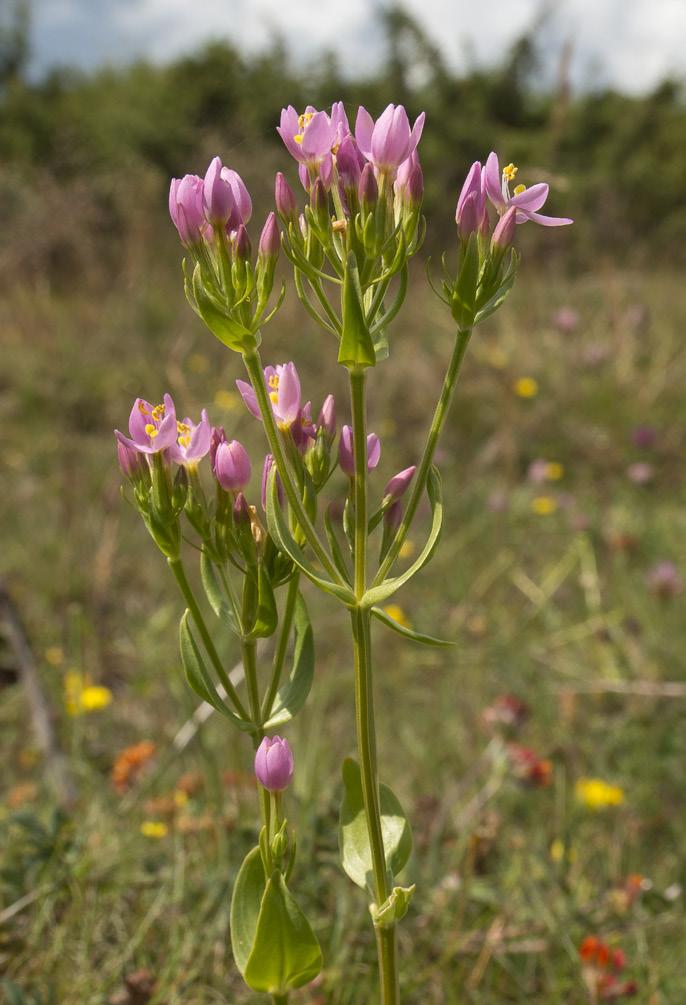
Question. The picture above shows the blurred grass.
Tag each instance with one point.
(544, 606)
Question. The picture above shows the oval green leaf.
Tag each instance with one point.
(246, 901)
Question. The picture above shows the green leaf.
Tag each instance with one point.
(278, 528)
(215, 593)
(293, 695)
(502, 292)
(217, 318)
(356, 347)
(353, 837)
(246, 901)
(267, 616)
(285, 952)
(199, 677)
(408, 633)
(394, 909)
(334, 545)
(377, 594)
(463, 300)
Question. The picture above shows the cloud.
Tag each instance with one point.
(629, 43)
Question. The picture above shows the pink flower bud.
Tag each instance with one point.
(241, 197)
(242, 244)
(409, 183)
(241, 511)
(284, 198)
(218, 436)
(131, 461)
(349, 162)
(266, 470)
(186, 207)
(218, 196)
(232, 465)
(399, 483)
(393, 516)
(368, 190)
(346, 457)
(274, 763)
(327, 417)
(270, 239)
(504, 232)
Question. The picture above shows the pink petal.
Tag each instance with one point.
(417, 129)
(544, 221)
(364, 129)
(249, 397)
(493, 181)
(532, 198)
(317, 137)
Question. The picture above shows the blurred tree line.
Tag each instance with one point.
(85, 159)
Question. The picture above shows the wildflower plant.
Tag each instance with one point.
(350, 245)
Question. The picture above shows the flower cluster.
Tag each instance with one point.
(602, 968)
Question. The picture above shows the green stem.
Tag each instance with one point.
(280, 999)
(176, 565)
(358, 406)
(253, 365)
(249, 654)
(282, 647)
(364, 695)
(366, 747)
(419, 482)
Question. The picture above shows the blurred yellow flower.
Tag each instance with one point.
(559, 851)
(198, 363)
(496, 357)
(228, 400)
(180, 798)
(543, 505)
(396, 612)
(554, 471)
(526, 387)
(154, 829)
(80, 696)
(597, 794)
(406, 548)
(54, 655)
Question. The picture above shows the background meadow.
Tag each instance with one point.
(541, 759)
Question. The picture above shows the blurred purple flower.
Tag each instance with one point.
(665, 580)
(641, 472)
(566, 320)
(644, 437)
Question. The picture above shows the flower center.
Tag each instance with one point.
(303, 122)
(184, 431)
(273, 384)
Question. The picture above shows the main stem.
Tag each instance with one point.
(253, 365)
(386, 941)
(419, 482)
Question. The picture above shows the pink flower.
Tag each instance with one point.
(192, 441)
(186, 207)
(311, 137)
(388, 141)
(346, 457)
(283, 386)
(152, 428)
(527, 201)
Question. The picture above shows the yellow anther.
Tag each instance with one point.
(183, 427)
(158, 413)
(519, 189)
(305, 119)
(142, 409)
(510, 171)
(274, 381)
(274, 397)
(298, 137)
(151, 430)
(184, 441)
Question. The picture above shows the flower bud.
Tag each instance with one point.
(368, 190)
(266, 470)
(409, 183)
(186, 207)
(241, 512)
(241, 197)
(284, 199)
(346, 456)
(218, 195)
(232, 465)
(327, 417)
(131, 462)
(399, 483)
(218, 436)
(468, 217)
(242, 244)
(504, 232)
(392, 517)
(270, 240)
(319, 202)
(349, 162)
(274, 763)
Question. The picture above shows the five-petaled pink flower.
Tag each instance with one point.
(527, 201)
(312, 137)
(152, 428)
(283, 387)
(192, 441)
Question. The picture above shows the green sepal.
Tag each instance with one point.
(408, 633)
(215, 594)
(394, 909)
(233, 334)
(265, 851)
(199, 677)
(356, 348)
(285, 953)
(377, 594)
(293, 695)
(463, 299)
(497, 298)
(353, 836)
(266, 615)
(246, 900)
(278, 528)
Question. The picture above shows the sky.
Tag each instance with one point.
(630, 44)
